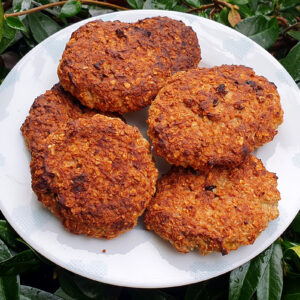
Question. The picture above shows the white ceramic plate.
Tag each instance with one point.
(139, 258)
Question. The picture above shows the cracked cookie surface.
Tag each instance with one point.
(120, 67)
(217, 116)
(218, 209)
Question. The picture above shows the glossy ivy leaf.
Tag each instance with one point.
(9, 288)
(263, 9)
(31, 293)
(15, 23)
(70, 9)
(292, 62)
(19, 263)
(286, 4)
(42, 26)
(82, 288)
(291, 289)
(296, 223)
(288, 244)
(4, 252)
(136, 4)
(7, 234)
(3, 73)
(1, 20)
(194, 3)
(294, 254)
(296, 35)
(253, 4)
(213, 289)
(20, 5)
(271, 284)
(245, 11)
(239, 2)
(260, 29)
(181, 8)
(9, 285)
(243, 281)
(160, 4)
(136, 294)
(95, 10)
(222, 17)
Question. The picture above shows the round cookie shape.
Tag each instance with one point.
(213, 116)
(47, 113)
(120, 67)
(215, 210)
(101, 175)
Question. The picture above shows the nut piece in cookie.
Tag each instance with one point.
(120, 67)
(98, 177)
(217, 210)
(206, 117)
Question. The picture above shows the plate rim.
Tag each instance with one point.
(70, 28)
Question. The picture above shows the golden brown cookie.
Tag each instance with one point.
(216, 210)
(98, 176)
(120, 67)
(206, 117)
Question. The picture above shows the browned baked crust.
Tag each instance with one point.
(217, 210)
(47, 113)
(97, 176)
(114, 66)
(204, 117)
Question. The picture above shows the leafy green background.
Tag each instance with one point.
(274, 274)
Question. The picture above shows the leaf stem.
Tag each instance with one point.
(290, 27)
(61, 3)
(202, 7)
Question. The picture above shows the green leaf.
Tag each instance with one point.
(286, 4)
(296, 223)
(9, 285)
(30, 293)
(7, 234)
(3, 73)
(60, 293)
(83, 289)
(4, 252)
(9, 288)
(70, 9)
(95, 10)
(245, 11)
(41, 26)
(1, 20)
(288, 244)
(194, 3)
(137, 294)
(291, 289)
(263, 9)
(19, 263)
(294, 254)
(181, 8)
(222, 17)
(243, 281)
(253, 4)
(260, 29)
(21, 5)
(160, 4)
(292, 297)
(239, 2)
(271, 284)
(212, 289)
(136, 4)
(296, 36)
(15, 23)
(292, 62)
